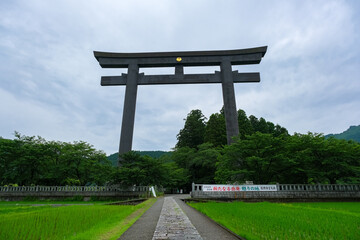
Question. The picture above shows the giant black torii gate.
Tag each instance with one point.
(134, 61)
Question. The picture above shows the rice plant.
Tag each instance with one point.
(62, 222)
(286, 221)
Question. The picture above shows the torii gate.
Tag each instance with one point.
(134, 61)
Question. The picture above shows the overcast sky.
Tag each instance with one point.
(50, 80)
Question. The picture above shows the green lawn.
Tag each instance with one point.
(96, 221)
(287, 221)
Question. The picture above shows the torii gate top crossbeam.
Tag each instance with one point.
(189, 58)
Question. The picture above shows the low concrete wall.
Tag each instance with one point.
(283, 193)
(60, 192)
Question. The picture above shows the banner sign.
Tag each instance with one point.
(239, 188)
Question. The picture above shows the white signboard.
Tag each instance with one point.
(238, 188)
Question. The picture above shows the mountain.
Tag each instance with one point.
(353, 133)
(154, 154)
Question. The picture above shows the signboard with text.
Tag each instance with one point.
(239, 188)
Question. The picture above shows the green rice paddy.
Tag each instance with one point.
(96, 221)
(287, 221)
(57, 220)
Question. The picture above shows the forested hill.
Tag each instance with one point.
(353, 133)
(154, 154)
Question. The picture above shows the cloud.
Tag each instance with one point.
(48, 73)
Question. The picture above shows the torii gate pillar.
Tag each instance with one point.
(227, 77)
(231, 118)
(127, 125)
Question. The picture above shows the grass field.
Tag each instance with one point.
(24, 220)
(286, 221)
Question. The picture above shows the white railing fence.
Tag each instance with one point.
(74, 189)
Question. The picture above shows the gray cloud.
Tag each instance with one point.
(50, 81)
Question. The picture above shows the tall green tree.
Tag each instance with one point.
(279, 130)
(215, 130)
(263, 126)
(245, 127)
(193, 132)
(29, 159)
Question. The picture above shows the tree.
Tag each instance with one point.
(215, 130)
(203, 164)
(139, 170)
(199, 164)
(79, 161)
(245, 127)
(193, 132)
(325, 161)
(259, 157)
(279, 130)
(7, 156)
(33, 160)
(175, 176)
(29, 159)
(301, 158)
(263, 126)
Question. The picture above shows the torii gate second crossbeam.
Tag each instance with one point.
(179, 60)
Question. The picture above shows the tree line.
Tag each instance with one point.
(263, 152)
(32, 160)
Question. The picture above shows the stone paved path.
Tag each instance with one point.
(173, 224)
(148, 226)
